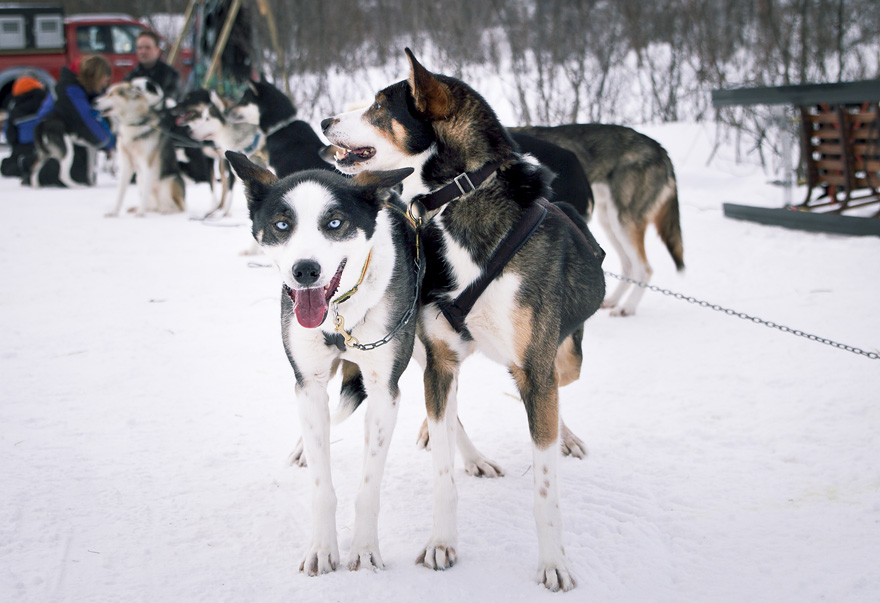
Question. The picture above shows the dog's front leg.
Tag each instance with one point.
(146, 181)
(125, 173)
(441, 383)
(381, 416)
(314, 413)
(539, 390)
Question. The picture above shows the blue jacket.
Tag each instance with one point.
(23, 117)
(74, 107)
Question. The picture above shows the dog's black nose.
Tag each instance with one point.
(326, 123)
(306, 272)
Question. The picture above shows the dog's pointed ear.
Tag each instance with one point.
(216, 100)
(382, 181)
(432, 97)
(257, 180)
(253, 85)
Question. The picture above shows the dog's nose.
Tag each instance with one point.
(306, 272)
(326, 123)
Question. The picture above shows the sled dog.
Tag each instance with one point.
(144, 149)
(634, 186)
(202, 112)
(346, 253)
(290, 143)
(478, 190)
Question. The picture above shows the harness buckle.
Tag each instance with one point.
(463, 177)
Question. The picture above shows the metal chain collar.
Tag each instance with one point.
(352, 342)
(754, 319)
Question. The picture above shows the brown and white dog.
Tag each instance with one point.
(529, 317)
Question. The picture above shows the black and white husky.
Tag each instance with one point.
(529, 316)
(203, 114)
(144, 148)
(292, 144)
(346, 252)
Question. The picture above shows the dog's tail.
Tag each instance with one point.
(667, 221)
(352, 392)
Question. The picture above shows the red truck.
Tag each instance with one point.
(39, 40)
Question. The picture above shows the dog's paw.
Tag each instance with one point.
(366, 559)
(437, 557)
(424, 440)
(319, 562)
(483, 467)
(111, 214)
(572, 445)
(297, 458)
(556, 578)
(622, 311)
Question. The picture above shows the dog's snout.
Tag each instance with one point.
(326, 123)
(306, 272)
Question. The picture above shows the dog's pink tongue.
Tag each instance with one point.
(310, 306)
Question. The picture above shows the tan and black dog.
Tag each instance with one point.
(529, 317)
(145, 150)
(634, 186)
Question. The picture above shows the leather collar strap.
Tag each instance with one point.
(457, 310)
(462, 184)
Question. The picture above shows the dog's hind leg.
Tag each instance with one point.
(607, 215)
(66, 162)
(225, 203)
(569, 358)
(36, 168)
(539, 391)
(475, 463)
(640, 271)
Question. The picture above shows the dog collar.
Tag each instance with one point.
(253, 146)
(345, 296)
(281, 124)
(464, 183)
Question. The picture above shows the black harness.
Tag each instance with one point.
(456, 310)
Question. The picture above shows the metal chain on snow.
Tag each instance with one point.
(744, 316)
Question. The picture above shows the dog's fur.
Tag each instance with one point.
(320, 228)
(54, 140)
(634, 186)
(291, 143)
(143, 148)
(530, 318)
(202, 112)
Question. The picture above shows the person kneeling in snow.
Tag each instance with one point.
(72, 103)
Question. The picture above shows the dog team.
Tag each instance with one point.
(424, 230)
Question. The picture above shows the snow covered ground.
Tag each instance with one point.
(147, 411)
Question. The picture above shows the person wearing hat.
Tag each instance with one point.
(28, 94)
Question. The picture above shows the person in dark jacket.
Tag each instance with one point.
(72, 103)
(150, 65)
(28, 94)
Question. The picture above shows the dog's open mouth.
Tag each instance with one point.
(346, 156)
(187, 117)
(310, 305)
